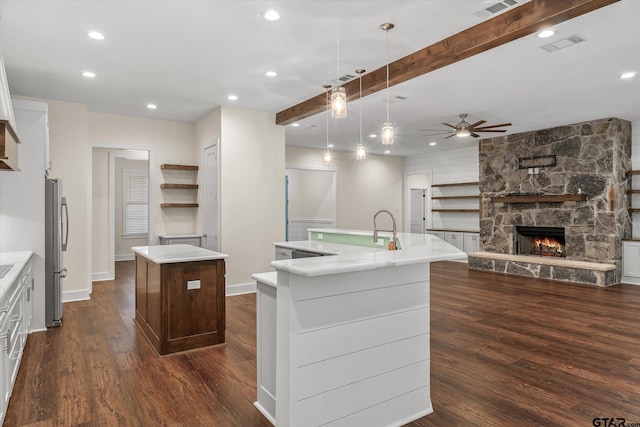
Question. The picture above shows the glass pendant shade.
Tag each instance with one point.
(338, 103)
(387, 133)
(326, 156)
(361, 152)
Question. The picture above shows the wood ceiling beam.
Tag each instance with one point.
(521, 21)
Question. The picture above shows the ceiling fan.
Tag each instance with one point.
(464, 128)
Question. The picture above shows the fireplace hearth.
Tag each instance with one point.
(540, 241)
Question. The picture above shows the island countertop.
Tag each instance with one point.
(415, 248)
(166, 254)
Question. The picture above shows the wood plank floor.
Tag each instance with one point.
(505, 351)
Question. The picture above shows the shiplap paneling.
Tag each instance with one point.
(635, 165)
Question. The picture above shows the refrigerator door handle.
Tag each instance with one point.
(63, 273)
(66, 217)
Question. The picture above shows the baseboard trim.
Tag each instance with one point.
(72, 296)
(98, 277)
(630, 280)
(264, 412)
(125, 257)
(247, 288)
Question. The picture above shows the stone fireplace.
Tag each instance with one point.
(571, 182)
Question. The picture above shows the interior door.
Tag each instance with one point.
(210, 195)
(418, 211)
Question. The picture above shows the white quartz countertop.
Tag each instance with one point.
(269, 278)
(17, 260)
(416, 248)
(165, 254)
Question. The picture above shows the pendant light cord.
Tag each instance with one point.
(338, 41)
(360, 98)
(387, 75)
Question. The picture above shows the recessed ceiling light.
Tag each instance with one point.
(295, 125)
(88, 74)
(271, 15)
(270, 74)
(628, 75)
(152, 106)
(546, 33)
(433, 143)
(330, 145)
(373, 135)
(96, 35)
(232, 98)
(387, 151)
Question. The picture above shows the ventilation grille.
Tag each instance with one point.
(561, 44)
(496, 8)
(343, 79)
(395, 99)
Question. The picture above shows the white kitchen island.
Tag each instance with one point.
(352, 334)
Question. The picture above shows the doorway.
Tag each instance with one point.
(417, 202)
(121, 216)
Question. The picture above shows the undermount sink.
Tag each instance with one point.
(4, 269)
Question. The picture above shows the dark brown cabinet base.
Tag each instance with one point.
(174, 311)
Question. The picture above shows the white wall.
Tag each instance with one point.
(311, 194)
(446, 167)
(364, 187)
(100, 212)
(251, 199)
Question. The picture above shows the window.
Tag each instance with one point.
(135, 203)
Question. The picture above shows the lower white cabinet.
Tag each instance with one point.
(181, 239)
(283, 253)
(471, 242)
(631, 262)
(16, 309)
(266, 295)
(465, 241)
(455, 238)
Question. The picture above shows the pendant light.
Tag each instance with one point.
(326, 154)
(361, 149)
(338, 94)
(387, 128)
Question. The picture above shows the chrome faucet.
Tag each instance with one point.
(375, 228)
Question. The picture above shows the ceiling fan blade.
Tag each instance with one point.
(475, 135)
(435, 134)
(478, 123)
(493, 126)
(451, 126)
(434, 130)
(489, 130)
(447, 137)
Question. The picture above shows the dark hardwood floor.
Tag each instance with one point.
(505, 351)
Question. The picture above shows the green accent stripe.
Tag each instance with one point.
(350, 239)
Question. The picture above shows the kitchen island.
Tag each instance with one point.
(180, 296)
(352, 332)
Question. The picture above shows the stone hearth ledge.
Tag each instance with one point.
(590, 273)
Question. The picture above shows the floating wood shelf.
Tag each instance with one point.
(548, 198)
(180, 186)
(635, 172)
(178, 205)
(454, 197)
(457, 184)
(634, 210)
(178, 167)
(633, 191)
(455, 210)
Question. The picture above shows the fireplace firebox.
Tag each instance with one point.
(540, 241)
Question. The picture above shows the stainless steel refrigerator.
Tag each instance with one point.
(56, 238)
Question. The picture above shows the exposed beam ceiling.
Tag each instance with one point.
(511, 25)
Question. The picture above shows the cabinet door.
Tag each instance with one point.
(454, 238)
(282, 253)
(438, 234)
(631, 259)
(471, 242)
(4, 368)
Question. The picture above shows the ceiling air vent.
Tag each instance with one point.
(496, 8)
(343, 79)
(395, 99)
(561, 44)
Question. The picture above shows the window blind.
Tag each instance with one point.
(136, 201)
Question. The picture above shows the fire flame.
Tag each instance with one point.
(547, 246)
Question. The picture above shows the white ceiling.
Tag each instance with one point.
(188, 56)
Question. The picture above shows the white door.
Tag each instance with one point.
(210, 218)
(418, 211)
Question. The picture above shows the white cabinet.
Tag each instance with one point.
(15, 317)
(631, 262)
(181, 239)
(471, 242)
(438, 234)
(455, 238)
(283, 253)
